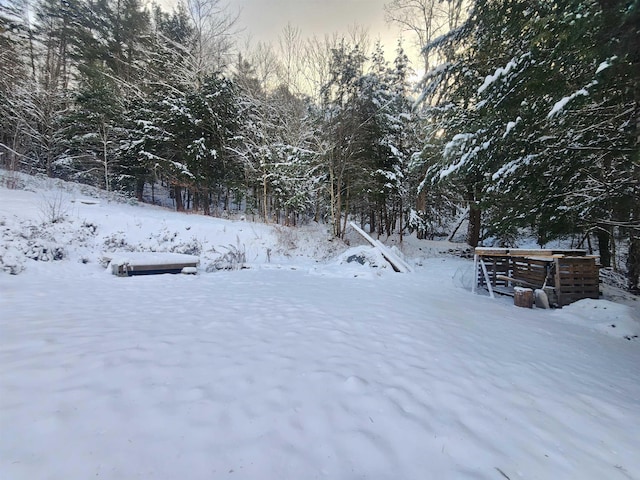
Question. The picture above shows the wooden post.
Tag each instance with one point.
(474, 287)
(487, 279)
(557, 282)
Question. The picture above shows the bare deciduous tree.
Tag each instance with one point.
(425, 20)
(215, 27)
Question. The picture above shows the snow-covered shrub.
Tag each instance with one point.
(609, 276)
(166, 236)
(54, 208)
(24, 241)
(287, 239)
(11, 260)
(43, 251)
(192, 247)
(117, 241)
(234, 258)
(90, 227)
(11, 180)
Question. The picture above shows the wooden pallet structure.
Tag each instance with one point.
(564, 275)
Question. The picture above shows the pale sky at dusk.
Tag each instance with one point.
(264, 20)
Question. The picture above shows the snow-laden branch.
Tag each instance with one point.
(511, 167)
(458, 144)
(560, 104)
(606, 64)
(502, 72)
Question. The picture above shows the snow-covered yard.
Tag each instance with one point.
(293, 368)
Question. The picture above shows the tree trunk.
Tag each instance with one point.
(265, 204)
(604, 247)
(105, 157)
(206, 202)
(346, 211)
(177, 193)
(473, 231)
(475, 215)
(372, 220)
(401, 226)
(421, 207)
(633, 263)
(139, 188)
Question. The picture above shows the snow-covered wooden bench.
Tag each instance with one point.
(127, 264)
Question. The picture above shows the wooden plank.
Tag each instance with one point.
(525, 252)
(556, 281)
(166, 266)
(579, 278)
(504, 291)
(486, 276)
(518, 281)
(489, 251)
(529, 252)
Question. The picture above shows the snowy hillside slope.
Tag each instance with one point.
(305, 365)
(53, 220)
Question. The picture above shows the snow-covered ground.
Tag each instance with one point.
(299, 366)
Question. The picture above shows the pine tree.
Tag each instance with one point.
(342, 143)
(13, 71)
(95, 125)
(536, 114)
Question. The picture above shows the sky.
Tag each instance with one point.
(264, 20)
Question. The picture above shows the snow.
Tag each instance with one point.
(511, 167)
(459, 141)
(499, 72)
(305, 365)
(150, 258)
(606, 64)
(511, 126)
(560, 104)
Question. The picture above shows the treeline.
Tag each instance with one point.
(114, 94)
(527, 117)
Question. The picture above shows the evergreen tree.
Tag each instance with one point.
(95, 125)
(13, 71)
(343, 130)
(536, 119)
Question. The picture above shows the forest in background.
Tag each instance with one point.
(527, 118)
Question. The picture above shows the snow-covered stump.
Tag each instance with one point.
(523, 297)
